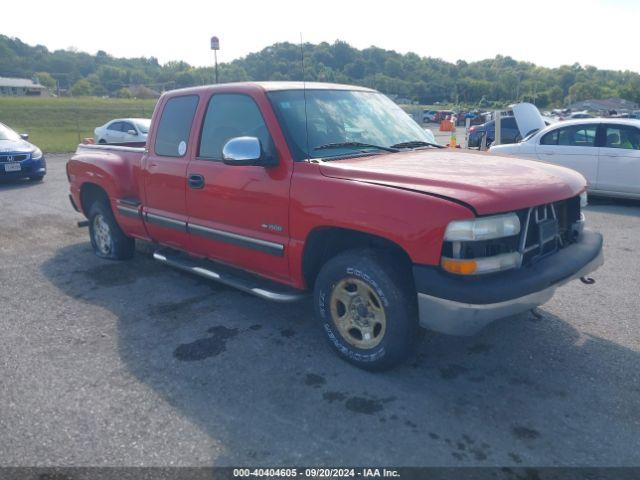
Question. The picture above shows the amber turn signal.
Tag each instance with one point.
(460, 267)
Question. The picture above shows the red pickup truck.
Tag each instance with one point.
(285, 189)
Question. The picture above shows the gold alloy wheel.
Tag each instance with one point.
(358, 314)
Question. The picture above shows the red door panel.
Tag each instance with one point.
(240, 215)
(165, 167)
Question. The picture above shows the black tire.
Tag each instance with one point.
(393, 286)
(111, 243)
(36, 178)
(102, 141)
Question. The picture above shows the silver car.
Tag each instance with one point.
(123, 131)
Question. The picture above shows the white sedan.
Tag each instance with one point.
(606, 151)
(123, 131)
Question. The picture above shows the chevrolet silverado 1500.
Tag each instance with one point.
(286, 189)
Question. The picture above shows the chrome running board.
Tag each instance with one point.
(233, 277)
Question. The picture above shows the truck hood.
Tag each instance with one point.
(486, 183)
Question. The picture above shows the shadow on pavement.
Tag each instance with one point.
(617, 206)
(259, 379)
(13, 184)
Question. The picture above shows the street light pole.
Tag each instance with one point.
(215, 46)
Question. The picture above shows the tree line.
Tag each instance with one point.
(425, 80)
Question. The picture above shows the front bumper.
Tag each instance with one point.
(28, 168)
(464, 305)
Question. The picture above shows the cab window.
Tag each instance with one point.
(231, 115)
(174, 127)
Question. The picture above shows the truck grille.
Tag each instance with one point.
(548, 228)
(544, 229)
(6, 158)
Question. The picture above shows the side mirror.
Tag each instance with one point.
(132, 132)
(24, 136)
(246, 151)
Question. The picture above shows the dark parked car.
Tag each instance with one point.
(19, 158)
(509, 132)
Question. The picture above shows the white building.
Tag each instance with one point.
(21, 87)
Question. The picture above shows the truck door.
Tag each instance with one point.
(239, 214)
(165, 169)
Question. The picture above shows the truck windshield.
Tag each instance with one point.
(341, 117)
(7, 134)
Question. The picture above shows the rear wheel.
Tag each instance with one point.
(366, 304)
(102, 141)
(107, 238)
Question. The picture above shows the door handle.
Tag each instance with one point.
(196, 180)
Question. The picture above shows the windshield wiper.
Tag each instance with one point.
(357, 145)
(417, 143)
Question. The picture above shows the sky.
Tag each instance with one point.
(602, 33)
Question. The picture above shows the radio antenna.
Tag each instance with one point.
(304, 96)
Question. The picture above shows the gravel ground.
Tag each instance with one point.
(133, 363)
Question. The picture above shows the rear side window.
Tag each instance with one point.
(115, 126)
(619, 136)
(174, 126)
(231, 115)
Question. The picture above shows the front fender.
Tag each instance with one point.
(414, 221)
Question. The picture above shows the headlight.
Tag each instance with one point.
(483, 228)
(36, 154)
(584, 199)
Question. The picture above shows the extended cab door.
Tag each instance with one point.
(573, 146)
(165, 170)
(619, 163)
(239, 214)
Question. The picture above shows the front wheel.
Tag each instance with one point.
(366, 304)
(107, 238)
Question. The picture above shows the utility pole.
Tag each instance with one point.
(215, 46)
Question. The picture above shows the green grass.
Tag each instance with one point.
(58, 124)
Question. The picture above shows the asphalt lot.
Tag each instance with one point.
(133, 363)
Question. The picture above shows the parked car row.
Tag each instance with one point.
(437, 116)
